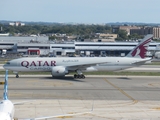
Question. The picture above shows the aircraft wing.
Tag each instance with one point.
(58, 116)
(83, 66)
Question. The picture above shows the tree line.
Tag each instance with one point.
(84, 31)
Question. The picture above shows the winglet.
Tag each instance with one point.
(5, 94)
(140, 50)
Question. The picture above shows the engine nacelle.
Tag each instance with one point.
(59, 71)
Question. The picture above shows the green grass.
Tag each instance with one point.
(125, 73)
(91, 73)
(153, 63)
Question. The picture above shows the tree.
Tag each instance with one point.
(122, 35)
(135, 36)
(52, 37)
(81, 29)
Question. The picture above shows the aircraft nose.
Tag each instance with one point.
(5, 66)
(4, 116)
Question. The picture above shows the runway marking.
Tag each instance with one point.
(15, 94)
(103, 117)
(57, 84)
(63, 117)
(50, 83)
(158, 108)
(154, 84)
(124, 93)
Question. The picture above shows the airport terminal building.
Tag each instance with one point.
(42, 46)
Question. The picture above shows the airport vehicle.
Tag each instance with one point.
(7, 107)
(60, 66)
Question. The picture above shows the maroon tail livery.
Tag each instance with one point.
(141, 49)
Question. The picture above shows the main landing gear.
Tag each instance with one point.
(79, 75)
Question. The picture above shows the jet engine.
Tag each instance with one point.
(59, 71)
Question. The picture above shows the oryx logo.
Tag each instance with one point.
(141, 49)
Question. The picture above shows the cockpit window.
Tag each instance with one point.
(8, 63)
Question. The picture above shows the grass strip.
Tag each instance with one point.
(2, 72)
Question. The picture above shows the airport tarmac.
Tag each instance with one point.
(112, 97)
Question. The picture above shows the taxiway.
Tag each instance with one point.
(114, 97)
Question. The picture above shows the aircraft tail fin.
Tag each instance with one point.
(140, 50)
(5, 94)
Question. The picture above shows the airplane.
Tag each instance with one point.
(7, 107)
(60, 66)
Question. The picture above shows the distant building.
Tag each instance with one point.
(115, 29)
(106, 37)
(4, 34)
(17, 24)
(156, 32)
(142, 31)
(147, 30)
(139, 30)
(13, 45)
(11, 24)
(129, 28)
(27, 39)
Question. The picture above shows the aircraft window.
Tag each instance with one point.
(8, 63)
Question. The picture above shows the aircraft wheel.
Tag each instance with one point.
(75, 76)
(78, 76)
(17, 76)
(83, 77)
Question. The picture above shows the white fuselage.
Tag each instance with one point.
(6, 110)
(90, 63)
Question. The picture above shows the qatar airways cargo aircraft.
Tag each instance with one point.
(60, 66)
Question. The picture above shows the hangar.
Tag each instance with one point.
(111, 48)
(42, 46)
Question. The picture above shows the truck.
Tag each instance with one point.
(4, 52)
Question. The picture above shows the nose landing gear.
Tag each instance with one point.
(17, 76)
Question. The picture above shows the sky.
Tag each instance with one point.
(81, 11)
